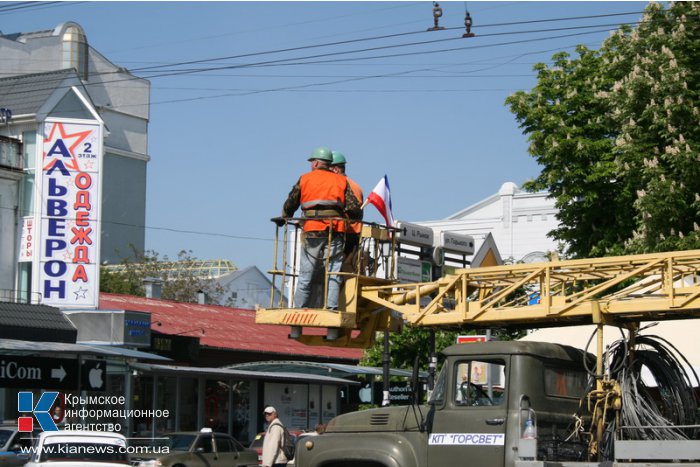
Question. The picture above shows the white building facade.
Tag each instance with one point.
(73, 174)
(518, 221)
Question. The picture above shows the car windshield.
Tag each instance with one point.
(85, 451)
(179, 442)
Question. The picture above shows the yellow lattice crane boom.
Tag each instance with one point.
(612, 290)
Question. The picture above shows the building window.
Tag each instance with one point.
(27, 201)
(10, 150)
(75, 51)
(29, 149)
(25, 282)
(29, 157)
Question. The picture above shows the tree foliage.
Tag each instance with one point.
(415, 341)
(615, 131)
(181, 286)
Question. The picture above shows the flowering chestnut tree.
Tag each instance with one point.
(616, 133)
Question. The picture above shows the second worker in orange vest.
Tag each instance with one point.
(352, 235)
(324, 198)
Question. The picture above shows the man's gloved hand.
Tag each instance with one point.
(278, 220)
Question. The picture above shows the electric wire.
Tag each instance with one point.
(366, 39)
(18, 8)
(172, 229)
(286, 60)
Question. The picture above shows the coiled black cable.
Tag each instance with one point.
(670, 411)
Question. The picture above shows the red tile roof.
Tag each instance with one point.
(224, 327)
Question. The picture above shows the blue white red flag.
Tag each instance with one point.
(381, 199)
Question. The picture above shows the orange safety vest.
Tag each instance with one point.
(357, 191)
(322, 190)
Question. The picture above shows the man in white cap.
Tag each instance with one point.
(272, 455)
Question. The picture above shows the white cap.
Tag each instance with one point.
(269, 409)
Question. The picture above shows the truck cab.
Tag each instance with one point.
(478, 412)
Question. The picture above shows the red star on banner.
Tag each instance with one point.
(79, 137)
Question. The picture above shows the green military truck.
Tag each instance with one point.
(495, 404)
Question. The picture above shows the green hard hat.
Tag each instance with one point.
(338, 158)
(322, 154)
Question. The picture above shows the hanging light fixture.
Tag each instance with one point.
(468, 25)
(437, 13)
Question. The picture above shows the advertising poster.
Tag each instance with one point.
(69, 202)
(291, 402)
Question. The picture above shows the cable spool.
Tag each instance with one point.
(676, 403)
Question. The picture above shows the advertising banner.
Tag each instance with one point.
(27, 242)
(69, 200)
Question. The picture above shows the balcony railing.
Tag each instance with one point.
(17, 296)
(11, 153)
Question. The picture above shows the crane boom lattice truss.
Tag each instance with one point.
(611, 290)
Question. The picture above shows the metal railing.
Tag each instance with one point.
(373, 257)
(19, 296)
(11, 153)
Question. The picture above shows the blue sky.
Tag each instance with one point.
(227, 145)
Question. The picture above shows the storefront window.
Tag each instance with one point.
(314, 404)
(143, 401)
(166, 396)
(216, 405)
(291, 402)
(240, 422)
(187, 416)
(330, 403)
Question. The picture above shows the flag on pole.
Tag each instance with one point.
(381, 199)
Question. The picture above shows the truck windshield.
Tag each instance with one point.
(437, 397)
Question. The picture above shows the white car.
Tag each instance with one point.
(14, 445)
(79, 449)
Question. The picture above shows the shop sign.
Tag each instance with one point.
(38, 373)
(413, 270)
(69, 197)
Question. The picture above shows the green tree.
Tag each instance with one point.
(655, 108)
(181, 285)
(615, 133)
(406, 345)
(415, 341)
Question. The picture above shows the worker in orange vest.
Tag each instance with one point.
(352, 234)
(326, 200)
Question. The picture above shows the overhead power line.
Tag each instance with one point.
(21, 6)
(287, 88)
(305, 60)
(365, 39)
(171, 229)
